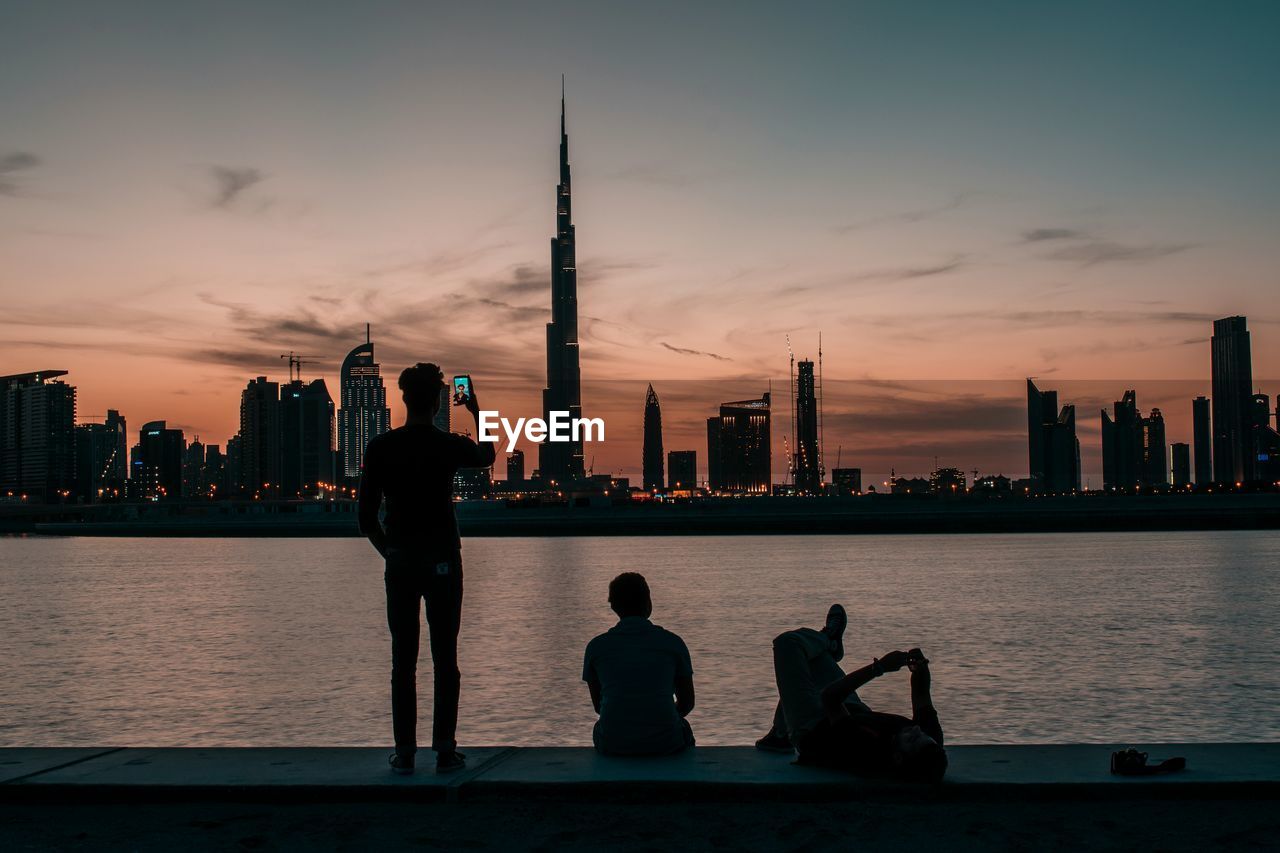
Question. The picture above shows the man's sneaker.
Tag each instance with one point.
(837, 621)
(774, 742)
(447, 762)
(402, 764)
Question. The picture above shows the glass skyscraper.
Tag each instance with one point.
(363, 413)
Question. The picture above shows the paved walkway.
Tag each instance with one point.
(553, 773)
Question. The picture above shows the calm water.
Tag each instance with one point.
(1034, 638)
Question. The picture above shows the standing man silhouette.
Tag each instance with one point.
(412, 468)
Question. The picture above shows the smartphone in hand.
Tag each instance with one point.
(462, 391)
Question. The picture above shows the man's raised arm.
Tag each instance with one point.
(487, 451)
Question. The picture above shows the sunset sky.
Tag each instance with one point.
(948, 191)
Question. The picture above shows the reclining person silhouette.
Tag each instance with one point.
(633, 671)
(820, 716)
(412, 467)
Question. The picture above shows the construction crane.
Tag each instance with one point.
(296, 362)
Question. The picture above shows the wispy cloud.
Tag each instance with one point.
(518, 280)
(230, 184)
(911, 272)
(1104, 251)
(687, 351)
(910, 217)
(12, 166)
(1040, 235)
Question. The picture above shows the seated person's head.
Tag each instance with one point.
(918, 757)
(421, 385)
(629, 595)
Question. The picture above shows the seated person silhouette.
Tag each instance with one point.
(820, 716)
(633, 670)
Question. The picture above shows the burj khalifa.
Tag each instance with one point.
(560, 463)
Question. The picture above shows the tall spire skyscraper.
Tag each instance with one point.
(561, 462)
(652, 450)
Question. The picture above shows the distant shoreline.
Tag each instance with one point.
(723, 517)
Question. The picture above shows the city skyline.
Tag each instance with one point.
(162, 289)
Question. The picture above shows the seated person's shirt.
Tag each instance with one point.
(863, 741)
(636, 664)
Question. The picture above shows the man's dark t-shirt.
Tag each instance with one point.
(413, 467)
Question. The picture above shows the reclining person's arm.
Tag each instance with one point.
(923, 714)
(834, 695)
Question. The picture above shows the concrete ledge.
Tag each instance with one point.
(551, 773)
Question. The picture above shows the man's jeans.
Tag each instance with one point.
(803, 666)
(411, 577)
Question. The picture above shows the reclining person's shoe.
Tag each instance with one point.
(837, 621)
(774, 742)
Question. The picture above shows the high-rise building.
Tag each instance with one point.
(94, 444)
(1134, 452)
(652, 452)
(562, 462)
(137, 482)
(682, 470)
(515, 467)
(160, 456)
(364, 411)
(1181, 464)
(193, 475)
(948, 481)
(1155, 453)
(306, 438)
(715, 476)
(1232, 364)
(1122, 444)
(37, 436)
(1266, 441)
(472, 483)
(1202, 438)
(232, 480)
(102, 459)
(444, 411)
(740, 439)
(806, 466)
(846, 481)
(215, 472)
(260, 439)
(1054, 450)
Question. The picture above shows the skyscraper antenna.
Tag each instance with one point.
(367, 339)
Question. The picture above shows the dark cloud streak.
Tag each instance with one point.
(698, 352)
(11, 165)
(230, 183)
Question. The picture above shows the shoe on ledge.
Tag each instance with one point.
(837, 621)
(447, 762)
(774, 742)
(400, 764)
